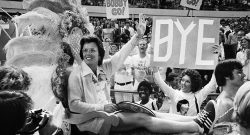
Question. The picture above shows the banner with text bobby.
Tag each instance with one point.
(185, 42)
(194, 4)
(117, 9)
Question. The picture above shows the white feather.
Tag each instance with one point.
(33, 58)
(30, 43)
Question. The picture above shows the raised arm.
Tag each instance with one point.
(118, 59)
(166, 89)
(210, 87)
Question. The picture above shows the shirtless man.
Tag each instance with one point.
(229, 75)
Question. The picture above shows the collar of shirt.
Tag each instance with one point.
(87, 71)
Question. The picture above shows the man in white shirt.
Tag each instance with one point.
(141, 65)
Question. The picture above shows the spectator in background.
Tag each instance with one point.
(244, 55)
(172, 80)
(145, 90)
(107, 32)
(224, 26)
(233, 41)
(190, 84)
(14, 111)
(129, 28)
(98, 30)
(121, 35)
(124, 82)
(140, 64)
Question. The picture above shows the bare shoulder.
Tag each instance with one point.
(224, 104)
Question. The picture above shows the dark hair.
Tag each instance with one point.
(97, 41)
(147, 85)
(14, 111)
(171, 77)
(168, 71)
(225, 69)
(13, 78)
(181, 102)
(195, 77)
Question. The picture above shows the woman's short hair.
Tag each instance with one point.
(242, 105)
(14, 111)
(13, 78)
(225, 69)
(97, 41)
(195, 77)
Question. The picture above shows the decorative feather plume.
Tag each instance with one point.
(46, 25)
(57, 6)
(30, 43)
(33, 58)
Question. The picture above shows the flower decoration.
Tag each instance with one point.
(71, 20)
(14, 78)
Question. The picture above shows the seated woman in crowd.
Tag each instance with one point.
(88, 93)
(190, 84)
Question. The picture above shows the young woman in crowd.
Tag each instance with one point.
(190, 90)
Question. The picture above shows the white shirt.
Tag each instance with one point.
(150, 104)
(177, 95)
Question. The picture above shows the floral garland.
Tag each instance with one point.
(70, 20)
(59, 80)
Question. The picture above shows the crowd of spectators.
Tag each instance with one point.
(222, 5)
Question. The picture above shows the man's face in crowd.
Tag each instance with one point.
(122, 24)
(244, 44)
(174, 83)
(238, 77)
(143, 92)
(143, 46)
(240, 34)
(127, 25)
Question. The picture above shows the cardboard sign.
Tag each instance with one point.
(117, 9)
(185, 42)
(194, 4)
